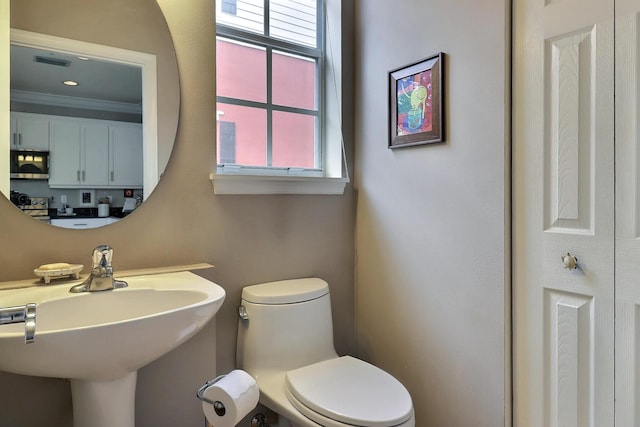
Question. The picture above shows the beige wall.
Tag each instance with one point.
(432, 221)
(249, 239)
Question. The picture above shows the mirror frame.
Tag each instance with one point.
(146, 62)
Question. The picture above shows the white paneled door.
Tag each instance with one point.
(563, 189)
(627, 257)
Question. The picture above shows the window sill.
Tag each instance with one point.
(267, 184)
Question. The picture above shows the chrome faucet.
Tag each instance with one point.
(101, 277)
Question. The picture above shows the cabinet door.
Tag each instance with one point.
(31, 131)
(95, 142)
(64, 167)
(126, 156)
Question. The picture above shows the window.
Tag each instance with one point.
(271, 92)
(229, 6)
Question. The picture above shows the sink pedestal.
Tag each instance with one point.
(104, 403)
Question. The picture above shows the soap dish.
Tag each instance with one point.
(58, 270)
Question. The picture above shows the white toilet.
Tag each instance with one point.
(285, 341)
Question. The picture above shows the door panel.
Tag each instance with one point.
(570, 67)
(563, 165)
(627, 259)
(569, 334)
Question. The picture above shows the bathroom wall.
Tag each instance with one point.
(432, 221)
(249, 239)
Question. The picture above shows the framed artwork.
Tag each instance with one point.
(415, 103)
(87, 198)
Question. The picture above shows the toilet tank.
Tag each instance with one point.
(288, 325)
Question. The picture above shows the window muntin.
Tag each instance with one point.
(277, 72)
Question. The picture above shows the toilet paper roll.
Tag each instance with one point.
(237, 392)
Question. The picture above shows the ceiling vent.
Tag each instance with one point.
(52, 61)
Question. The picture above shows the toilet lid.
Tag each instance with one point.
(286, 291)
(350, 391)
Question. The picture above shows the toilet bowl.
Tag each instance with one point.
(285, 341)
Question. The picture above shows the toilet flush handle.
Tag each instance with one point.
(242, 312)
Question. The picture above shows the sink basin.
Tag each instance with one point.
(100, 339)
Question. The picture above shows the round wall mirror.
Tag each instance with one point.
(94, 108)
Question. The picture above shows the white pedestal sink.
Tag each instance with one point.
(100, 339)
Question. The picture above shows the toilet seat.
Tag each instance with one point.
(348, 391)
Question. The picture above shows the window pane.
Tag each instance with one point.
(241, 70)
(243, 14)
(293, 140)
(242, 132)
(294, 81)
(294, 21)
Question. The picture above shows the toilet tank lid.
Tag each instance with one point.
(286, 291)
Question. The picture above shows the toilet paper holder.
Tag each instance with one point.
(217, 405)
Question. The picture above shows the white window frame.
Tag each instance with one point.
(334, 177)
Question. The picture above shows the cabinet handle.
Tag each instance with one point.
(78, 176)
(84, 175)
(111, 176)
(15, 139)
(19, 139)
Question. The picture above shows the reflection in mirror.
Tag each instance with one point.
(92, 125)
(79, 107)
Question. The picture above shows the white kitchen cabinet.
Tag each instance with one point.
(125, 155)
(81, 223)
(87, 153)
(29, 131)
(79, 154)
(64, 156)
(94, 155)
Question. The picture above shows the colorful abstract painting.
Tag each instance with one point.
(414, 95)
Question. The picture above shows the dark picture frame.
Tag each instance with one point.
(416, 103)
(87, 198)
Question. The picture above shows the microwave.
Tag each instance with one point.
(29, 164)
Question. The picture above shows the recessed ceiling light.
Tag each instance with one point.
(82, 58)
(70, 83)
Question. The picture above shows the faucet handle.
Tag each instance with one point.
(29, 323)
(102, 256)
(21, 314)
